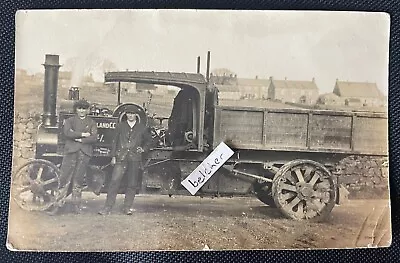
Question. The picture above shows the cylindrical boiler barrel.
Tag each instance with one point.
(51, 67)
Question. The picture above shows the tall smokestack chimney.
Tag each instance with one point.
(208, 66)
(198, 64)
(51, 67)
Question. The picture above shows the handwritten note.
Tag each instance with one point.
(207, 168)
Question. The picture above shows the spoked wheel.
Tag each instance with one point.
(304, 189)
(35, 185)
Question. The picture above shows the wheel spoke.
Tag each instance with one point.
(292, 203)
(315, 205)
(319, 205)
(314, 178)
(308, 171)
(26, 178)
(318, 194)
(24, 189)
(288, 196)
(288, 187)
(299, 175)
(311, 206)
(39, 173)
(300, 210)
(55, 179)
(310, 213)
(323, 196)
(289, 177)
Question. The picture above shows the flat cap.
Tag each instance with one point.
(132, 109)
(82, 104)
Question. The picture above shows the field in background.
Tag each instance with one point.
(31, 99)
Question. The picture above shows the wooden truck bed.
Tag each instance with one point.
(302, 130)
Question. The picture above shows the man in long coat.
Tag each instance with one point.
(131, 140)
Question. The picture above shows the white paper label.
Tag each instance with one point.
(207, 168)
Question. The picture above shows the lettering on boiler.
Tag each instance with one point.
(206, 170)
(106, 125)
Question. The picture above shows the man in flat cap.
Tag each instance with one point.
(132, 138)
(80, 133)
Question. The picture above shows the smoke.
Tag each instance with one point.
(78, 71)
(88, 60)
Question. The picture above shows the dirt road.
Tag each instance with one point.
(194, 223)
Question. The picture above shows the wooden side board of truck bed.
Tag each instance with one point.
(302, 130)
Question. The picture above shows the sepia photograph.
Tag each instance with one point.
(149, 130)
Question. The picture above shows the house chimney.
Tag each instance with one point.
(51, 68)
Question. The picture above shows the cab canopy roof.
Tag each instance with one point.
(181, 80)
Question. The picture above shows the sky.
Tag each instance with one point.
(349, 46)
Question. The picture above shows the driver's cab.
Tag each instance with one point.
(183, 120)
(175, 120)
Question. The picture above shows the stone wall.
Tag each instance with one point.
(364, 177)
(25, 132)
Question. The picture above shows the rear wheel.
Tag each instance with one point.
(304, 189)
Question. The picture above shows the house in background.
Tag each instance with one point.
(232, 88)
(294, 91)
(330, 99)
(253, 88)
(363, 93)
(228, 92)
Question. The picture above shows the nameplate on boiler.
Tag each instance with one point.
(207, 168)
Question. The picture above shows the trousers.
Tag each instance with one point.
(73, 170)
(132, 183)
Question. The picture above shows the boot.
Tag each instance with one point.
(127, 211)
(76, 202)
(105, 211)
(76, 209)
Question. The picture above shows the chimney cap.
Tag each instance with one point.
(52, 60)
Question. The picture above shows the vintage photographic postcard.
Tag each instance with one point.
(200, 130)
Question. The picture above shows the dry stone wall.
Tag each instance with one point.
(364, 176)
(25, 132)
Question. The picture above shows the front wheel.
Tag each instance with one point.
(304, 190)
(35, 185)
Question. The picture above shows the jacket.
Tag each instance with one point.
(127, 140)
(73, 129)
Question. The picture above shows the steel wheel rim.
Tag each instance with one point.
(35, 185)
(304, 190)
